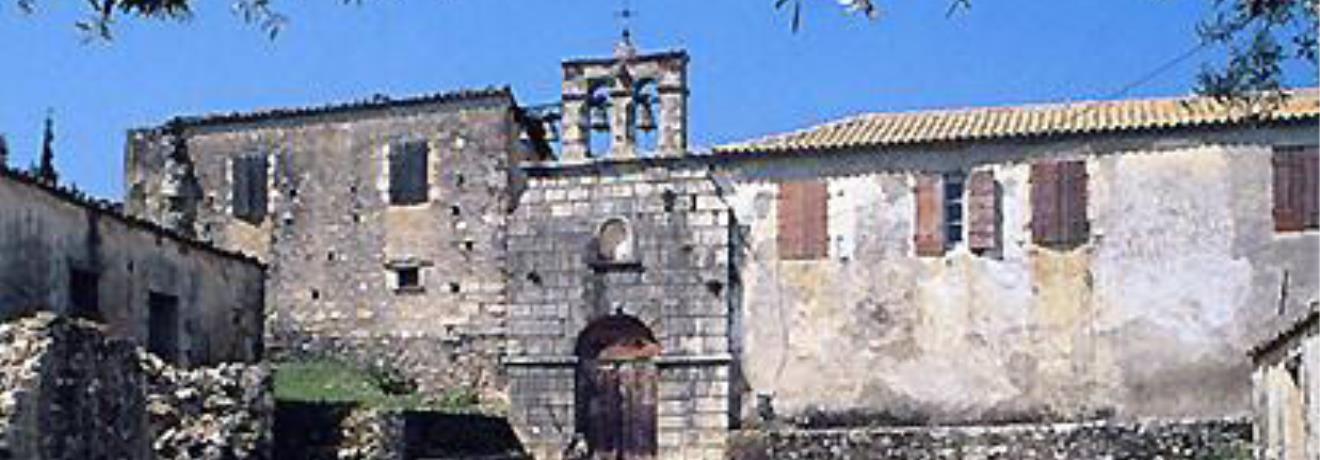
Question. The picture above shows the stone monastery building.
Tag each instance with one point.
(615, 291)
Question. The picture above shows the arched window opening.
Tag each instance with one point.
(614, 242)
(648, 115)
(598, 119)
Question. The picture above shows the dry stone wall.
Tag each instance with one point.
(69, 392)
(1218, 439)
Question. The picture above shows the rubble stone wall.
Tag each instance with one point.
(1218, 439)
(333, 240)
(69, 392)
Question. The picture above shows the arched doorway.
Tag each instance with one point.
(616, 388)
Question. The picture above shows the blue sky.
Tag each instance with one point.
(750, 75)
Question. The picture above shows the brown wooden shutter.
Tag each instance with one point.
(1044, 203)
(1296, 189)
(928, 237)
(1073, 223)
(803, 220)
(1311, 191)
(1288, 213)
(982, 212)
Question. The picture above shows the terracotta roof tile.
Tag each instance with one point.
(906, 128)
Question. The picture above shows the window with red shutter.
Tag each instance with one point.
(928, 237)
(983, 209)
(1058, 204)
(803, 220)
(1296, 188)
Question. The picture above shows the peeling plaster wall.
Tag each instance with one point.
(1150, 318)
(332, 239)
(44, 236)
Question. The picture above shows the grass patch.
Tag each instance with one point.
(329, 381)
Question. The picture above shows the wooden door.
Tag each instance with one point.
(621, 409)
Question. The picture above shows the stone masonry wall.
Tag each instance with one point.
(1220, 439)
(332, 239)
(67, 391)
(673, 276)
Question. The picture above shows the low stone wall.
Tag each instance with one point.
(221, 412)
(424, 364)
(1226, 439)
(69, 392)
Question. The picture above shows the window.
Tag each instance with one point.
(248, 193)
(163, 326)
(953, 208)
(84, 294)
(803, 220)
(408, 279)
(1058, 204)
(408, 173)
(1295, 189)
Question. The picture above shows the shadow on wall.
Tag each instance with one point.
(337, 431)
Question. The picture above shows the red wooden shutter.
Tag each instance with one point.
(928, 236)
(1044, 203)
(803, 220)
(1073, 223)
(1288, 212)
(982, 212)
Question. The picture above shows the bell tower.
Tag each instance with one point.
(624, 96)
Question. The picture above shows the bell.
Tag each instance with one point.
(600, 119)
(551, 130)
(646, 116)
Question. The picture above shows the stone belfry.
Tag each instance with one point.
(621, 96)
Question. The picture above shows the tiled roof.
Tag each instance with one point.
(908, 128)
(1286, 329)
(376, 102)
(115, 211)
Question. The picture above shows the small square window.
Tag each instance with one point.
(408, 279)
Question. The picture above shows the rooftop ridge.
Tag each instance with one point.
(110, 208)
(1004, 121)
(373, 102)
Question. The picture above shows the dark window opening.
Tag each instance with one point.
(953, 208)
(408, 173)
(1296, 189)
(455, 211)
(316, 294)
(248, 193)
(669, 197)
(409, 279)
(469, 245)
(84, 294)
(163, 326)
(454, 288)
